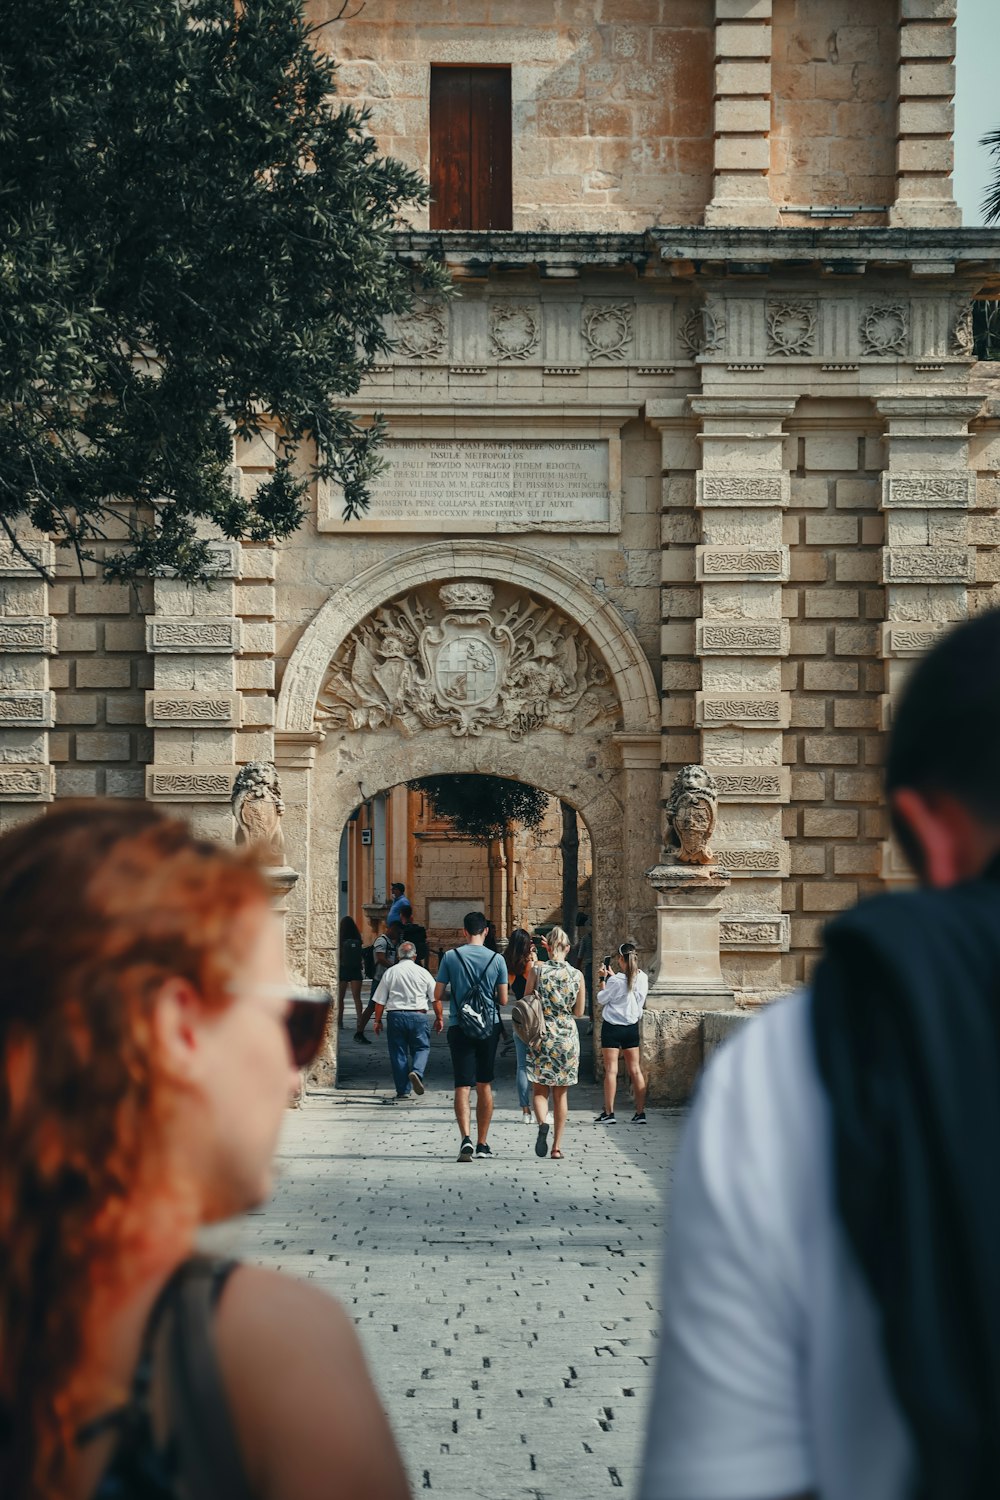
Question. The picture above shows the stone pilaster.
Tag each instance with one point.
(194, 708)
(741, 640)
(928, 562)
(925, 154)
(27, 640)
(294, 758)
(741, 193)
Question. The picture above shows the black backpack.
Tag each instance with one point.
(476, 1009)
(368, 961)
(417, 935)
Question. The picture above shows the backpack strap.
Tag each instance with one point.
(474, 981)
(207, 1446)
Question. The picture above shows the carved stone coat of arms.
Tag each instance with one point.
(468, 664)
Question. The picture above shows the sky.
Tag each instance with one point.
(977, 101)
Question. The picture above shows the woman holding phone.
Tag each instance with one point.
(621, 999)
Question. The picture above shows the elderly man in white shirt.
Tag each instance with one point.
(405, 994)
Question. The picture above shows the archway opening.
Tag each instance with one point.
(459, 843)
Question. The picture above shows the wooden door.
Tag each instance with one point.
(470, 149)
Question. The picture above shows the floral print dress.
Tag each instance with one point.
(554, 1059)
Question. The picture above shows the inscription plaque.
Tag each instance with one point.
(443, 911)
(489, 485)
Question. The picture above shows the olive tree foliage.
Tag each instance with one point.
(196, 244)
(483, 808)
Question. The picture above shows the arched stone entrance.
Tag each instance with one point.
(469, 657)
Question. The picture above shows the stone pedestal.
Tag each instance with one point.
(687, 976)
(282, 880)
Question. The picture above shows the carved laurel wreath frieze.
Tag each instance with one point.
(607, 330)
(466, 658)
(422, 334)
(514, 330)
(962, 339)
(791, 328)
(884, 328)
(703, 331)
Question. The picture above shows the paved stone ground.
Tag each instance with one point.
(508, 1309)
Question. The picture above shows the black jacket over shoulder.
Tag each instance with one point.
(906, 1025)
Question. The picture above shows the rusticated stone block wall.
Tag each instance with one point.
(612, 106)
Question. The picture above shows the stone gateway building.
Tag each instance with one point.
(695, 464)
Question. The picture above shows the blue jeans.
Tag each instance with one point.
(407, 1034)
(523, 1086)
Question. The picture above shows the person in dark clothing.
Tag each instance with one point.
(415, 933)
(350, 971)
(832, 1283)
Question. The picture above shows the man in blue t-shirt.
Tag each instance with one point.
(399, 899)
(472, 1061)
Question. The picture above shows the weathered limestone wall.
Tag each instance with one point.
(833, 105)
(612, 105)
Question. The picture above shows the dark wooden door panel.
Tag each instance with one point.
(470, 127)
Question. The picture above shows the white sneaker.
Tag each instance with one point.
(526, 1117)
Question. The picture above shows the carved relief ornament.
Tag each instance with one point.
(962, 340)
(421, 334)
(884, 328)
(791, 328)
(514, 332)
(467, 662)
(607, 330)
(703, 331)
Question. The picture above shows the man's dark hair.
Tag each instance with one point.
(947, 725)
(406, 911)
(582, 919)
(394, 926)
(475, 923)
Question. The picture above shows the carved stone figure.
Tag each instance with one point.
(257, 808)
(468, 663)
(691, 816)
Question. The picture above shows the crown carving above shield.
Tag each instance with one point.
(466, 595)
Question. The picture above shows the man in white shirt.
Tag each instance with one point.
(829, 1287)
(406, 994)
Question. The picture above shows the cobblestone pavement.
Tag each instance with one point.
(507, 1308)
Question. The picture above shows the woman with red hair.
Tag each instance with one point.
(150, 1043)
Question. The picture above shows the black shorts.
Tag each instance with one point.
(472, 1062)
(621, 1037)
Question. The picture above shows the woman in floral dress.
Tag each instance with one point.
(554, 1059)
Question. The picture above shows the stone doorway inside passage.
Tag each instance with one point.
(457, 658)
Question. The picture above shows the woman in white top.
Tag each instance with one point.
(621, 998)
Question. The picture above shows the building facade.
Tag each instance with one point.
(696, 463)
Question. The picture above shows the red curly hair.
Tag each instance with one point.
(100, 902)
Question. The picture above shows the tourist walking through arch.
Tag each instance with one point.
(349, 969)
(521, 975)
(621, 1000)
(554, 1057)
(477, 980)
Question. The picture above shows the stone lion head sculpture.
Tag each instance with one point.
(691, 816)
